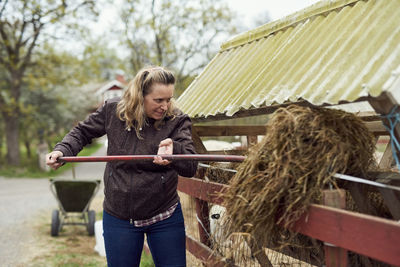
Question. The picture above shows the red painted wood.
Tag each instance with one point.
(364, 234)
(334, 256)
(204, 253)
(202, 212)
(204, 222)
(207, 191)
(193, 157)
(371, 236)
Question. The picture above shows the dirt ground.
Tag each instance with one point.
(26, 205)
(73, 246)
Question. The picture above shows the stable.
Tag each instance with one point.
(342, 54)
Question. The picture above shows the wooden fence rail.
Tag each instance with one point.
(370, 236)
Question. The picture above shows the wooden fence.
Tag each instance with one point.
(363, 234)
(340, 230)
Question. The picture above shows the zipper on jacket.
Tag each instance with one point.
(131, 178)
(163, 181)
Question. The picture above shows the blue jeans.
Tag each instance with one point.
(124, 242)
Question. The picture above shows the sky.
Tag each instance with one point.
(247, 9)
(277, 9)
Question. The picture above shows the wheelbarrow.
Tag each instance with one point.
(74, 198)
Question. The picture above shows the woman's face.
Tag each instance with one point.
(157, 102)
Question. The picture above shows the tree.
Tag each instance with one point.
(24, 26)
(1, 139)
(181, 35)
(53, 97)
(100, 61)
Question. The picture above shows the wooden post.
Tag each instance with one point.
(335, 256)
(251, 140)
(359, 194)
(258, 252)
(387, 159)
(198, 144)
(202, 212)
(391, 198)
(383, 105)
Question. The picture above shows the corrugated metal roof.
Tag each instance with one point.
(330, 52)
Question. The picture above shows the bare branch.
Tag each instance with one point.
(27, 57)
(156, 36)
(3, 7)
(174, 38)
(19, 43)
(6, 41)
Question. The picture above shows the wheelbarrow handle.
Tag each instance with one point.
(174, 157)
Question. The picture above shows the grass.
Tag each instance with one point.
(146, 261)
(29, 166)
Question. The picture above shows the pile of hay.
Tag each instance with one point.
(285, 172)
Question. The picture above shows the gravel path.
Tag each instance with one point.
(22, 199)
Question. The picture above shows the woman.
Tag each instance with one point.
(140, 197)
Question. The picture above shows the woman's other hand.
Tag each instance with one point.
(164, 148)
(51, 159)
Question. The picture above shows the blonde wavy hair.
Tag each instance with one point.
(131, 107)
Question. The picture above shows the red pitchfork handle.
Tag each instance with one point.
(192, 157)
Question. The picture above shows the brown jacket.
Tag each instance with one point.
(135, 190)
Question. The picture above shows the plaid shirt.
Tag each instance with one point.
(159, 217)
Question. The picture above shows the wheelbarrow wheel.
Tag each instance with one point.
(55, 223)
(91, 221)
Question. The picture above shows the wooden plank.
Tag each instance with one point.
(391, 198)
(264, 110)
(202, 215)
(334, 256)
(213, 130)
(368, 116)
(359, 194)
(251, 141)
(364, 234)
(386, 177)
(334, 198)
(383, 105)
(376, 127)
(387, 158)
(392, 201)
(203, 253)
(259, 253)
(239, 114)
(204, 190)
(203, 221)
(198, 144)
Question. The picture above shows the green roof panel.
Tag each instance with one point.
(330, 52)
